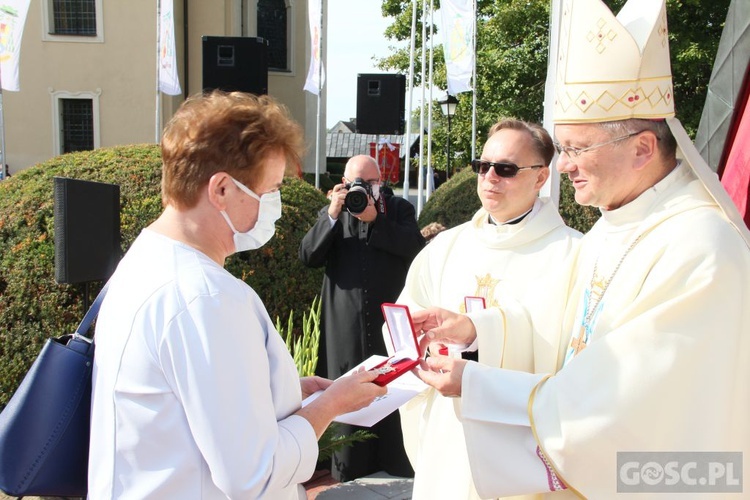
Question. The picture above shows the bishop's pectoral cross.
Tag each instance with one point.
(596, 292)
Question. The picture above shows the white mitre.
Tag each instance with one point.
(613, 68)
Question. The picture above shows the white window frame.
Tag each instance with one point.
(48, 23)
(56, 96)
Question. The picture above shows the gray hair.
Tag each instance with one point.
(667, 144)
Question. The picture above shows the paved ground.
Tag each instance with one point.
(378, 486)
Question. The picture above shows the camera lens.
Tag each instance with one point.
(356, 201)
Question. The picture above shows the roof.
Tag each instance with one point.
(343, 144)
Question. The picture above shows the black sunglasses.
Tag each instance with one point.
(503, 169)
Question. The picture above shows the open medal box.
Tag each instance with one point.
(404, 343)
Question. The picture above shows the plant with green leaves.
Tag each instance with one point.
(304, 351)
(303, 348)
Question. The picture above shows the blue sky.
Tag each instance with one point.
(355, 35)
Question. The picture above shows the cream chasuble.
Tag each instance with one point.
(503, 264)
(666, 358)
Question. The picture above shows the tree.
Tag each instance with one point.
(512, 50)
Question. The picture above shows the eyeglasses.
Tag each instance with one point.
(572, 152)
(503, 169)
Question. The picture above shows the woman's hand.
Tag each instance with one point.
(354, 392)
(345, 394)
(311, 385)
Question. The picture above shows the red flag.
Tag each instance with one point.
(735, 169)
(388, 160)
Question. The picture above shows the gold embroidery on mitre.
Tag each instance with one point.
(601, 36)
(655, 100)
(663, 31)
(584, 101)
(606, 101)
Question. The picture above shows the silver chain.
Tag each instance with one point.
(595, 301)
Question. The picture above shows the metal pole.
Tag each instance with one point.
(157, 125)
(407, 155)
(320, 91)
(430, 179)
(422, 148)
(474, 87)
(448, 150)
(186, 58)
(2, 134)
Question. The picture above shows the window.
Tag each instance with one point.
(72, 20)
(74, 17)
(77, 125)
(75, 121)
(273, 26)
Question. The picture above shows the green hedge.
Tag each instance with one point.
(34, 307)
(456, 201)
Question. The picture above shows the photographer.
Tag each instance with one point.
(366, 255)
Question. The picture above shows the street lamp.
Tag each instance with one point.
(448, 106)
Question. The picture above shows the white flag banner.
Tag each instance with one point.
(12, 20)
(169, 80)
(316, 75)
(458, 47)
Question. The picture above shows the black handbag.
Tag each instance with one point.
(44, 429)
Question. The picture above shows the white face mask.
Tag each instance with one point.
(269, 212)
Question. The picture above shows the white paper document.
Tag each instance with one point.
(399, 392)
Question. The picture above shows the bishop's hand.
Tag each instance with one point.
(443, 326)
(444, 373)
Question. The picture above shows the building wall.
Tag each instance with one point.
(121, 72)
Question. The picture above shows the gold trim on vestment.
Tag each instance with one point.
(645, 116)
(505, 336)
(636, 81)
(539, 441)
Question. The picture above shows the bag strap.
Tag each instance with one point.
(91, 314)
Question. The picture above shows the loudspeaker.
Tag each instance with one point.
(380, 103)
(234, 63)
(87, 230)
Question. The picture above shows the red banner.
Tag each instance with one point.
(388, 159)
(735, 175)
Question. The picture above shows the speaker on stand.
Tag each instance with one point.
(380, 103)
(233, 63)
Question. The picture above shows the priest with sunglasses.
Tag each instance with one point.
(641, 353)
(505, 252)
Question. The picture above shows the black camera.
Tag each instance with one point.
(357, 198)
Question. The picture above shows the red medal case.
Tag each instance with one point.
(403, 341)
(474, 304)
